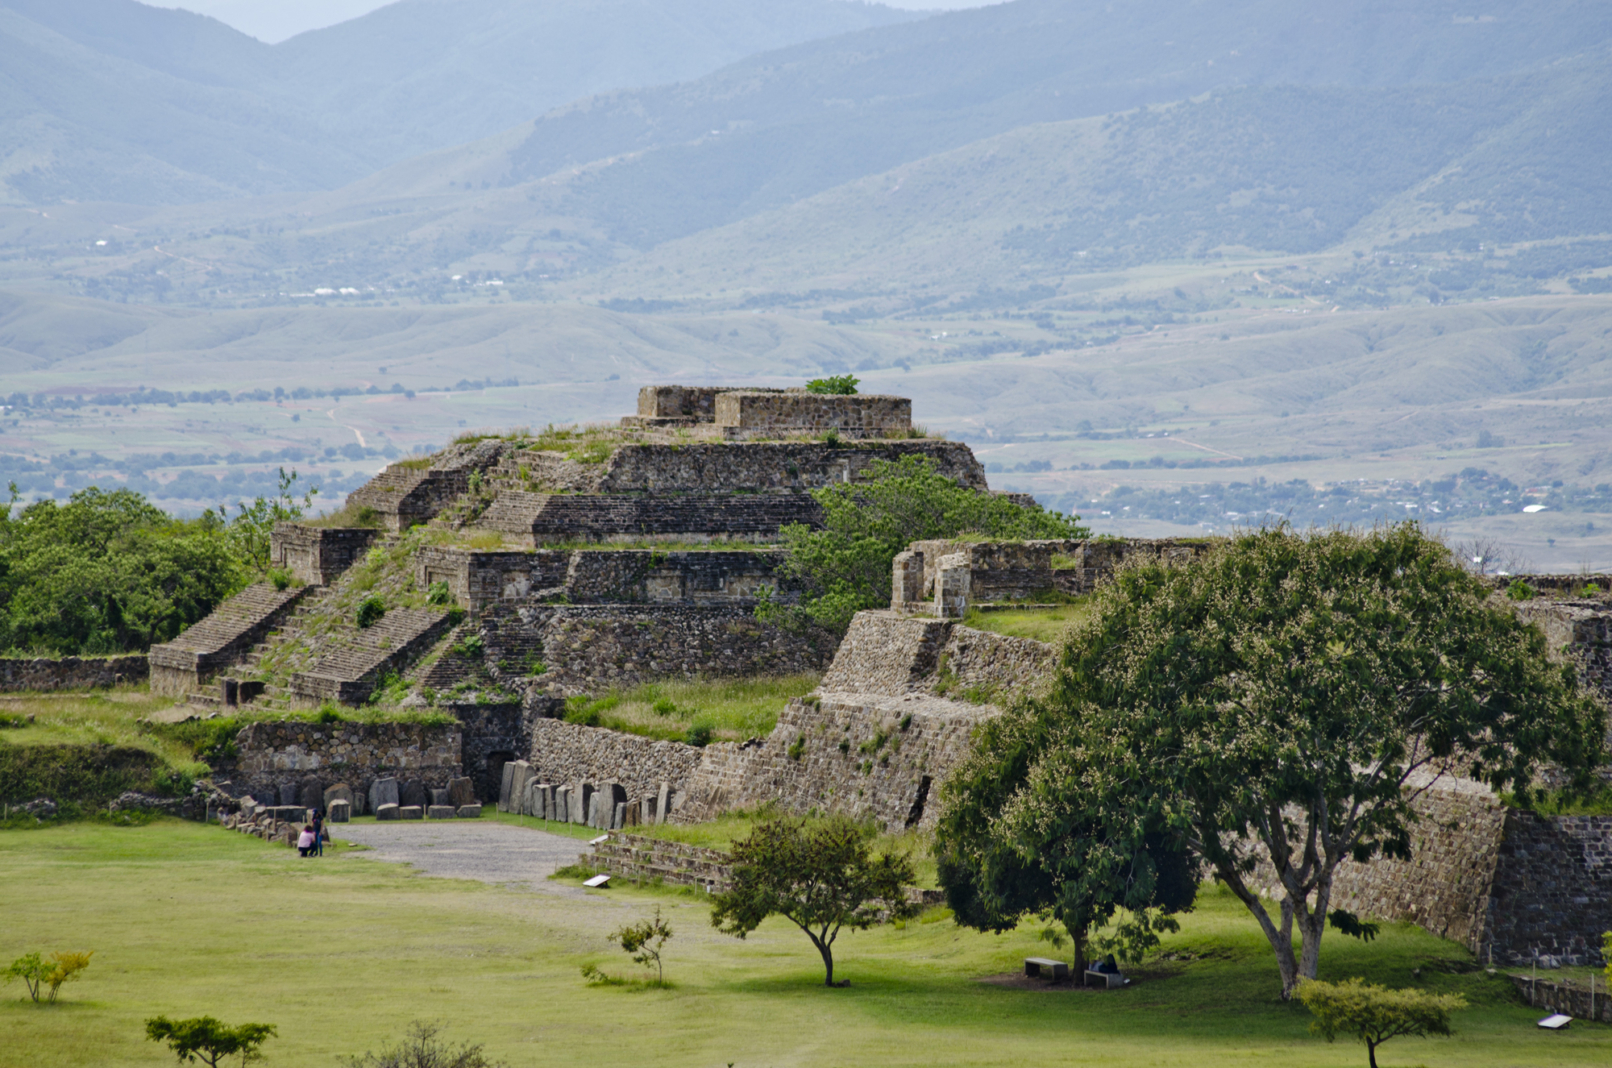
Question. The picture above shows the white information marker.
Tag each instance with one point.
(601, 838)
(603, 880)
(1555, 1023)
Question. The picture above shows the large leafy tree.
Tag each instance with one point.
(844, 566)
(1279, 705)
(1001, 858)
(107, 572)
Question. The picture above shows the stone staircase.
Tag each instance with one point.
(217, 644)
(354, 660)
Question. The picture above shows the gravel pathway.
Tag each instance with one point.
(488, 852)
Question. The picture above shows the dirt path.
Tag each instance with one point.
(488, 852)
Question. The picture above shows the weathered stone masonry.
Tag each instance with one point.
(69, 672)
(271, 755)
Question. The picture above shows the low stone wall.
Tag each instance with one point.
(563, 753)
(479, 578)
(312, 757)
(70, 672)
(753, 413)
(1001, 571)
(318, 555)
(635, 856)
(640, 576)
(865, 756)
(1546, 996)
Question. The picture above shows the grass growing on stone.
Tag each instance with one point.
(734, 710)
(342, 952)
(1046, 624)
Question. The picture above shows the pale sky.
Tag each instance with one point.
(275, 20)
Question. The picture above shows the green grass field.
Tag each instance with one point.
(342, 953)
(1045, 624)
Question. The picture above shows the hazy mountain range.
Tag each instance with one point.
(983, 203)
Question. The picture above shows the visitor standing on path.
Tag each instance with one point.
(319, 836)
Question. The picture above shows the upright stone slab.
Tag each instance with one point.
(618, 818)
(440, 812)
(386, 811)
(310, 793)
(580, 795)
(543, 804)
(470, 812)
(288, 793)
(517, 785)
(382, 792)
(662, 801)
(614, 802)
(461, 791)
(562, 804)
(503, 788)
(339, 792)
(534, 799)
(441, 796)
(340, 811)
(411, 794)
(593, 809)
(410, 812)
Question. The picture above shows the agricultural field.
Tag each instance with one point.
(342, 953)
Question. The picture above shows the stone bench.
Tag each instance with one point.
(1106, 980)
(1034, 967)
(440, 812)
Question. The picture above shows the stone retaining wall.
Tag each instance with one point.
(1582, 630)
(273, 755)
(1001, 571)
(589, 647)
(1552, 888)
(684, 517)
(70, 672)
(866, 756)
(406, 493)
(752, 414)
(564, 753)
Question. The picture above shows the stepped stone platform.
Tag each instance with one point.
(564, 517)
(349, 673)
(193, 659)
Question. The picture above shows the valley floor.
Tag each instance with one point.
(342, 952)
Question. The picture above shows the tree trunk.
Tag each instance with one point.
(1079, 938)
(1371, 1052)
(828, 961)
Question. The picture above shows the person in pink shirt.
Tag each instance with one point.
(305, 840)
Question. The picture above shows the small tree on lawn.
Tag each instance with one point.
(1282, 700)
(645, 940)
(38, 974)
(205, 1039)
(821, 876)
(1374, 1014)
(423, 1049)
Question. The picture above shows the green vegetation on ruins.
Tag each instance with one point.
(1045, 623)
(716, 710)
(503, 964)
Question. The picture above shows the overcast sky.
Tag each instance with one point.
(275, 20)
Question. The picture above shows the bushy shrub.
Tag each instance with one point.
(370, 611)
(842, 385)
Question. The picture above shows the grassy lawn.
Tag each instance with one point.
(735, 710)
(1044, 624)
(342, 953)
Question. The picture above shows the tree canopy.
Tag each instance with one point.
(821, 875)
(844, 567)
(1278, 705)
(109, 572)
(1374, 1014)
